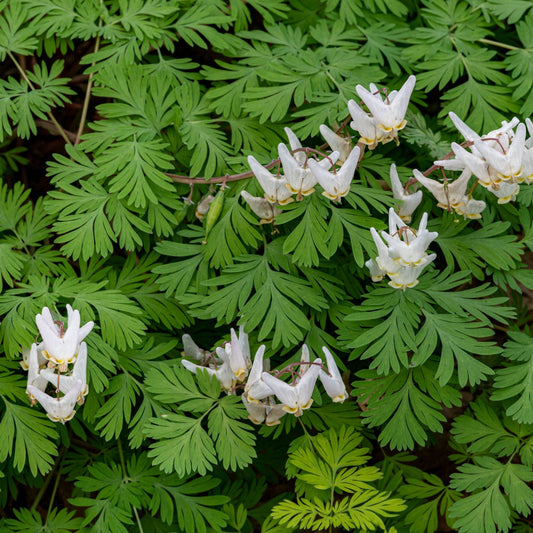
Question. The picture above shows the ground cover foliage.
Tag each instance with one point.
(100, 101)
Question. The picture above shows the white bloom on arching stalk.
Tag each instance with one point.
(387, 113)
(337, 184)
(404, 256)
(61, 346)
(500, 160)
(275, 188)
(336, 143)
(332, 379)
(409, 201)
(451, 195)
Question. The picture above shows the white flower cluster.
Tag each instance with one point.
(402, 256)
(48, 363)
(301, 172)
(266, 397)
(500, 160)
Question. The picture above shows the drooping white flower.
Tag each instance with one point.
(264, 209)
(387, 114)
(505, 191)
(300, 179)
(336, 185)
(26, 352)
(66, 383)
(404, 256)
(275, 189)
(58, 409)
(449, 194)
(256, 389)
(61, 347)
(332, 380)
(404, 244)
(193, 351)
(500, 156)
(409, 201)
(471, 209)
(296, 397)
(238, 351)
(222, 372)
(365, 125)
(336, 143)
(35, 362)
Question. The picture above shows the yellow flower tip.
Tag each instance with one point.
(70, 416)
(308, 192)
(241, 374)
(401, 125)
(308, 404)
(340, 398)
(292, 410)
(282, 202)
(273, 423)
(254, 421)
(386, 129)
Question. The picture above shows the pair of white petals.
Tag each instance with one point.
(61, 347)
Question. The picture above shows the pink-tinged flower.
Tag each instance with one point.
(61, 347)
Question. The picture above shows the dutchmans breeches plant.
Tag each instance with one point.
(266, 266)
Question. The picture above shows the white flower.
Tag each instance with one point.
(230, 367)
(332, 380)
(264, 209)
(336, 185)
(66, 383)
(35, 362)
(471, 209)
(238, 351)
(365, 125)
(300, 179)
(404, 256)
(256, 389)
(296, 397)
(409, 201)
(193, 351)
(26, 352)
(336, 142)
(222, 372)
(405, 245)
(387, 114)
(58, 409)
(267, 411)
(450, 194)
(61, 347)
(505, 191)
(275, 189)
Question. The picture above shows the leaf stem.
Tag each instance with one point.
(85, 108)
(32, 87)
(126, 479)
(47, 480)
(501, 45)
(52, 498)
